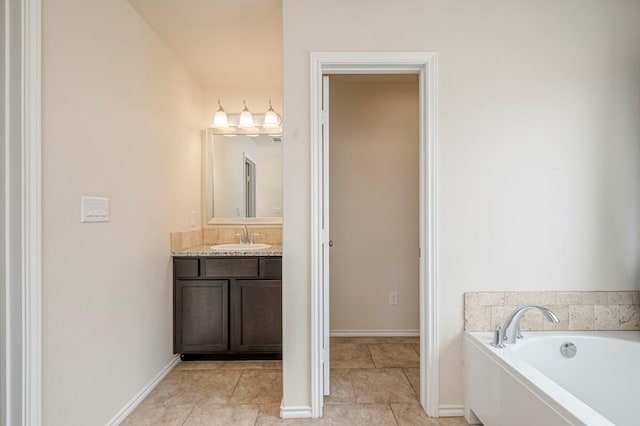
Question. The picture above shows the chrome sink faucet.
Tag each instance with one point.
(509, 333)
(244, 238)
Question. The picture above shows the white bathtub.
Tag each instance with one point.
(532, 383)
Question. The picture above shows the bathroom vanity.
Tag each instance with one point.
(227, 304)
(227, 298)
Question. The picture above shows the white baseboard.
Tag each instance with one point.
(140, 396)
(300, 412)
(374, 333)
(303, 412)
(451, 411)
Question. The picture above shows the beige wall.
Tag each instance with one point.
(121, 119)
(538, 155)
(374, 202)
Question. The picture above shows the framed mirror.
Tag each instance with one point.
(242, 179)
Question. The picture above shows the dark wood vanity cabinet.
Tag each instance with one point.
(202, 315)
(257, 316)
(228, 307)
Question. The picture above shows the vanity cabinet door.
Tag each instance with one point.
(201, 316)
(256, 316)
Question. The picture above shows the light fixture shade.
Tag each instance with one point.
(246, 119)
(271, 119)
(220, 120)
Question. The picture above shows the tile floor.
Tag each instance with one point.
(374, 381)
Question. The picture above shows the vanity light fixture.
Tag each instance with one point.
(271, 119)
(246, 123)
(246, 119)
(220, 120)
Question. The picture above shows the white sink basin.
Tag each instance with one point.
(240, 247)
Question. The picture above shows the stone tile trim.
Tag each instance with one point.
(226, 235)
(185, 239)
(577, 310)
(223, 235)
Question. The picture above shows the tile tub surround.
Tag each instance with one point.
(577, 310)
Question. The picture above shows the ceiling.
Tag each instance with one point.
(223, 42)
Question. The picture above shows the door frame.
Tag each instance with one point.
(425, 65)
(249, 196)
(22, 272)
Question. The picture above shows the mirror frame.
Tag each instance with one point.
(207, 193)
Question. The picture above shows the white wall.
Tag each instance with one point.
(374, 202)
(121, 119)
(538, 149)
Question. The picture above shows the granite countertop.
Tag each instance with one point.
(274, 250)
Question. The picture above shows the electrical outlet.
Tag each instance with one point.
(193, 218)
(393, 297)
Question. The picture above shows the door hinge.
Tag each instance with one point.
(325, 117)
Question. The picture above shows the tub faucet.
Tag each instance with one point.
(511, 327)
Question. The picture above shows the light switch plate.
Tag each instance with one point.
(94, 209)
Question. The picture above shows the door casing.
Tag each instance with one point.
(21, 328)
(425, 65)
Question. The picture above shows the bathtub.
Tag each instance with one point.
(532, 383)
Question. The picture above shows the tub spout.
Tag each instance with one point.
(512, 324)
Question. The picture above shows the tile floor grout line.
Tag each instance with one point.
(410, 384)
(353, 389)
(375, 364)
(236, 385)
(193, 407)
(255, 423)
(353, 386)
(395, 419)
(414, 349)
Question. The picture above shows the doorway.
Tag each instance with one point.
(249, 186)
(424, 66)
(374, 258)
(374, 205)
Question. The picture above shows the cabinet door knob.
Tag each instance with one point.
(330, 243)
